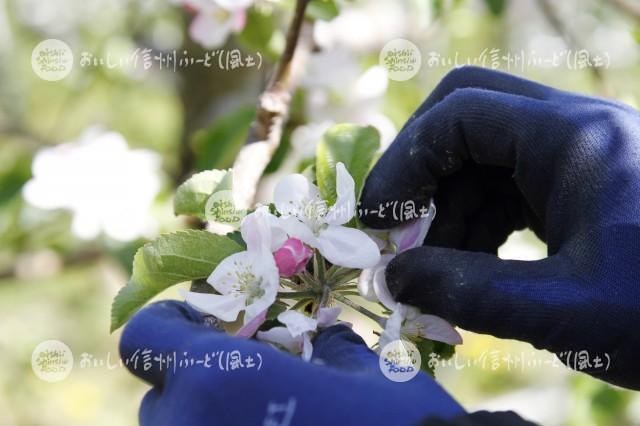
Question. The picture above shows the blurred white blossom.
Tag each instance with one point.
(364, 26)
(106, 185)
(339, 91)
(215, 20)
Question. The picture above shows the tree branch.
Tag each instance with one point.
(271, 115)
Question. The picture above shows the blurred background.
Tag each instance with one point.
(88, 164)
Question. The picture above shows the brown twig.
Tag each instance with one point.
(271, 115)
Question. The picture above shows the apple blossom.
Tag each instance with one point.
(79, 176)
(216, 19)
(346, 93)
(247, 280)
(292, 257)
(407, 322)
(372, 283)
(307, 217)
(296, 335)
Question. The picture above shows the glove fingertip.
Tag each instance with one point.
(157, 328)
(339, 346)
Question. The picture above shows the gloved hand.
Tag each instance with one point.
(498, 154)
(342, 385)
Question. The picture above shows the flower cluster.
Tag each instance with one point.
(276, 267)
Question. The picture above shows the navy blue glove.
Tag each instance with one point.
(498, 154)
(342, 385)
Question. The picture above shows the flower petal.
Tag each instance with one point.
(266, 272)
(293, 194)
(379, 236)
(239, 21)
(260, 304)
(282, 337)
(278, 234)
(328, 316)
(250, 328)
(434, 328)
(256, 230)
(365, 284)
(297, 229)
(348, 247)
(297, 323)
(225, 307)
(226, 275)
(392, 327)
(394, 322)
(307, 347)
(224, 278)
(292, 257)
(208, 31)
(345, 206)
(234, 5)
(380, 284)
(412, 234)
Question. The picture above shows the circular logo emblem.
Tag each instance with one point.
(221, 208)
(52, 59)
(52, 361)
(400, 360)
(401, 58)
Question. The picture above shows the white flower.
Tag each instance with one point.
(305, 138)
(234, 4)
(346, 93)
(307, 217)
(107, 186)
(216, 20)
(406, 322)
(247, 280)
(372, 284)
(296, 335)
(365, 26)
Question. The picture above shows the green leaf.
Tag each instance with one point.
(15, 169)
(218, 146)
(170, 259)
(425, 347)
(353, 145)
(444, 350)
(258, 33)
(191, 197)
(438, 7)
(324, 10)
(496, 7)
(237, 237)
(276, 309)
(635, 33)
(281, 153)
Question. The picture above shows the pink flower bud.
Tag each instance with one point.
(292, 257)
